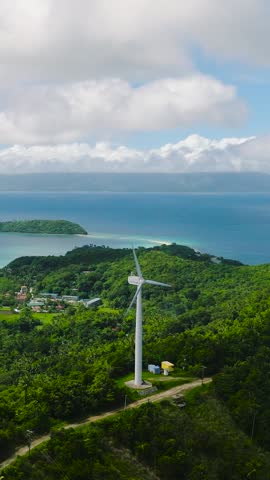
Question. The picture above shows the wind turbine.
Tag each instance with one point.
(139, 281)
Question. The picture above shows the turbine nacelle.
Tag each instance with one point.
(134, 280)
(139, 281)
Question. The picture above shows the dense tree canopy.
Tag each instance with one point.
(215, 315)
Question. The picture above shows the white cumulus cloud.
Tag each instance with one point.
(83, 71)
(134, 39)
(71, 112)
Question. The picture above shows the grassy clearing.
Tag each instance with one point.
(9, 316)
(162, 382)
(45, 317)
(172, 382)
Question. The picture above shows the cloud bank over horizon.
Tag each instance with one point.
(193, 154)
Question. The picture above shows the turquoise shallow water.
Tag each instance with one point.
(235, 226)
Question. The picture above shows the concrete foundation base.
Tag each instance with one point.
(143, 386)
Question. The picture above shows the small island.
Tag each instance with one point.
(52, 227)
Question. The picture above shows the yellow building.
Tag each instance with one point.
(167, 366)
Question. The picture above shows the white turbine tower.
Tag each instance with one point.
(139, 281)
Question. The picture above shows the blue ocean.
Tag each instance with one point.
(234, 226)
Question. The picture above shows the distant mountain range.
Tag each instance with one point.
(138, 182)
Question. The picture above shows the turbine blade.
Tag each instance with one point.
(138, 268)
(133, 299)
(160, 284)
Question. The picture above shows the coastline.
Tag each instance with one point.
(14, 245)
(232, 226)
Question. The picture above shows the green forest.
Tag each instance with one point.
(215, 318)
(43, 226)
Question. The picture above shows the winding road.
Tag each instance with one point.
(153, 398)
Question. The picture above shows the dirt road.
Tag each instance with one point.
(154, 398)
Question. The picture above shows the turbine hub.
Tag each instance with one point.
(135, 280)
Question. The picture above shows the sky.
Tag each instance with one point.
(134, 86)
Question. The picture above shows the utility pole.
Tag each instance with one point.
(203, 367)
(29, 437)
(255, 409)
(253, 423)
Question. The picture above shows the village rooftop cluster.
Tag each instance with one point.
(47, 301)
